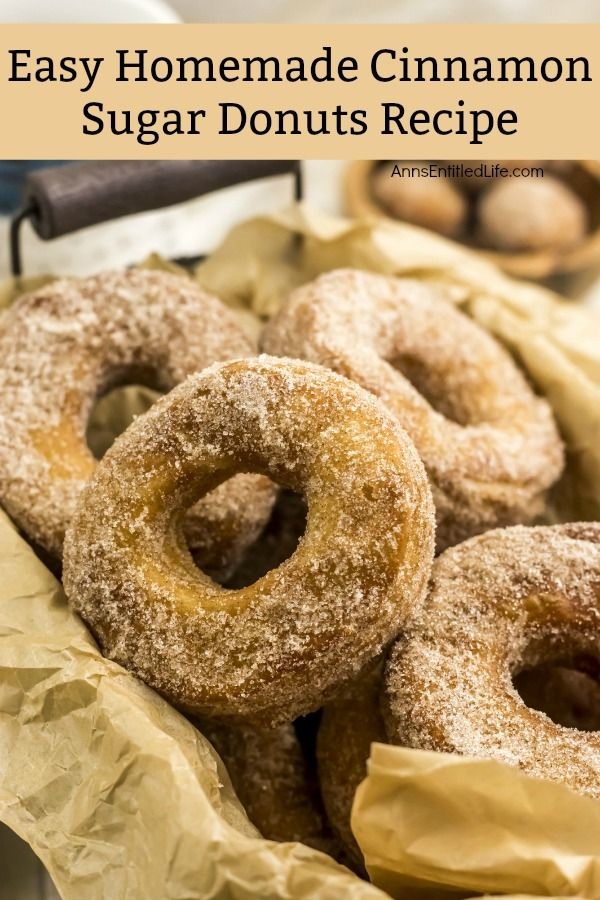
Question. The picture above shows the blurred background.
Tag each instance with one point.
(305, 11)
(391, 11)
(199, 225)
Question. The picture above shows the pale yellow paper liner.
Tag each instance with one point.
(118, 794)
(434, 824)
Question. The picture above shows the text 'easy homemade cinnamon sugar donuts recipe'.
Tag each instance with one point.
(70, 342)
(280, 647)
(489, 444)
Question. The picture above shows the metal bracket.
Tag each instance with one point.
(14, 237)
(37, 183)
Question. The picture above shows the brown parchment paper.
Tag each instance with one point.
(557, 342)
(118, 794)
(445, 824)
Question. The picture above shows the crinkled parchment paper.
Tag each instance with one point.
(436, 821)
(118, 794)
(121, 797)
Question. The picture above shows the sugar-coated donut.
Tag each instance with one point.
(278, 648)
(435, 203)
(490, 446)
(531, 214)
(502, 602)
(68, 343)
(273, 781)
(351, 722)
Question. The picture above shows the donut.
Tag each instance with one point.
(434, 203)
(273, 781)
(489, 444)
(527, 215)
(500, 603)
(278, 648)
(351, 722)
(67, 344)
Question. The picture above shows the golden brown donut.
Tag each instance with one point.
(521, 214)
(72, 341)
(490, 446)
(351, 722)
(434, 203)
(502, 602)
(273, 781)
(278, 648)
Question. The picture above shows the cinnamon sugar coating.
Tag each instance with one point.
(68, 343)
(280, 647)
(502, 602)
(489, 444)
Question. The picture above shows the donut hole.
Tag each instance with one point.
(569, 696)
(432, 388)
(114, 411)
(276, 543)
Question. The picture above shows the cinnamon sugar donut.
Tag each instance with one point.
(490, 446)
(505, 601)
(68, 343)
(273, 781)
(353, 721)
(278, 648)
(350, 724)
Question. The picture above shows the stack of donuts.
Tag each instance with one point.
(328, 539)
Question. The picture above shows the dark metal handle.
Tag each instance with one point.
(63, 199)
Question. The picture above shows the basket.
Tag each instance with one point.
(584, 179)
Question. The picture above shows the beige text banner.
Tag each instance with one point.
(295, 91)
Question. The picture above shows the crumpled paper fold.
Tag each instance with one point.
(441, 825)
(118, 794)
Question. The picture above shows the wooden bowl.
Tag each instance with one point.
(584, 179)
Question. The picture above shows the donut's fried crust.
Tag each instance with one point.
(490, 446)
(500, 603)
(68, 343)
(350, 724)
(280, 647)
